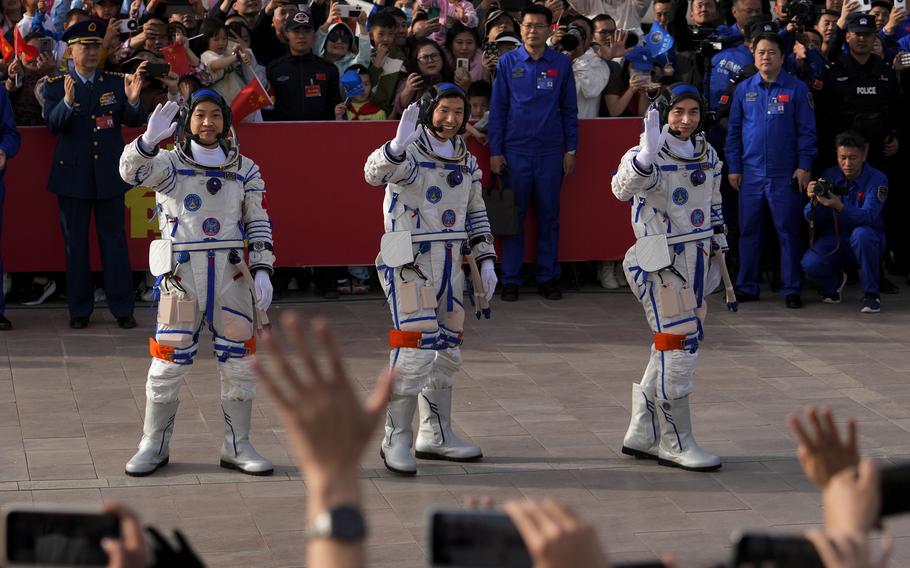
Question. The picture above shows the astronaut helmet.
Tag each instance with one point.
(227, 139)
(430, 100)
(675, 93)
(209, 95)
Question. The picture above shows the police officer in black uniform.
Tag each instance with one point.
(306, 85)
(860, 92)
(85, 109)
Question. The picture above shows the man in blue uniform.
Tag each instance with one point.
(847, 230)
(9, 146)
(85, 109)
(533, 130)
(770, 149)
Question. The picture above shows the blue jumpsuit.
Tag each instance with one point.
(861, 231)
(533, 122)
(771, 133)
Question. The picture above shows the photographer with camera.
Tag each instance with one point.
(845, 223)
(727, 64)
(591, 72)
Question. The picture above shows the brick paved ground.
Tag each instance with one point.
(545, 391)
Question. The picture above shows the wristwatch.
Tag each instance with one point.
(344, 523)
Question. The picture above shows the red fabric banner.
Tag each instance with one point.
(323, 212)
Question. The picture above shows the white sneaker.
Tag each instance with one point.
(620, 275)
(607, 275)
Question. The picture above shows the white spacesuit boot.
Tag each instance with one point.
(643, 436)
(154, 451)
(678, 447)
(399, 434)
(435, 439)
(237, 452)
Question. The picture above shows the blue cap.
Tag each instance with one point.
(639, 58)
(85, 32)
(352, 83)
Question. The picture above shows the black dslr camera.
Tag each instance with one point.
(800, 12)
(825, 187)
(573, 37)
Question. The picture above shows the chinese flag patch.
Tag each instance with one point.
(783, 98)
(552, 72)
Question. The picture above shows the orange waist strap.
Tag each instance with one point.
(669, 341)
(158, 351)
(404, 339)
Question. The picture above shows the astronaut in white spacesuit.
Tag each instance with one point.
(433, 209)
(209, 199)
(673, 182)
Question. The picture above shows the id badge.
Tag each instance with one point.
(686, 299)
(669, 304)
(544, 82)
(775, 108)
(104, 122)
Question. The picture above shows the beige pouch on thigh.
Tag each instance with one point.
(167, 309)
(686, 299)
(669, 303)
(407, 298)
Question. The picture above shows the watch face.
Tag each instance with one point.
(259, 246)
(348, 524)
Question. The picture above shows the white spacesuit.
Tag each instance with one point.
(209, 200)
(433, 201)
(674, 188)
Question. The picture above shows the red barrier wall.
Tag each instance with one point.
(323, 212)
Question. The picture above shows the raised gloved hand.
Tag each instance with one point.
(488, 277)
(161, 125)
(407, 130)
(719, 241)
(653, 140)
(263, 290)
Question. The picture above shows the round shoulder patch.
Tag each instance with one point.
(680, 196)
(882, 193)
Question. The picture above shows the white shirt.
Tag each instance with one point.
(591, 77)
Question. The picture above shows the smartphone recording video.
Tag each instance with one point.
(46, 537)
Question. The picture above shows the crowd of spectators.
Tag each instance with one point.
(300, 53)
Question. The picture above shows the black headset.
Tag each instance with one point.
(676, 92)
(212, 96)
(430, 99)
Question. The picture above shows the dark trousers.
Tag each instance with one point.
(537, 178)
(75, 216)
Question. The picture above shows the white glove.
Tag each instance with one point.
(654, 140)
(263, 290)
(407, 130)
(488, 277)
(161, 125)
(720, 241)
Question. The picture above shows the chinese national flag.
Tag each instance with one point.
(176, 57)
(30, 51)
(6, 49)
(250, 99)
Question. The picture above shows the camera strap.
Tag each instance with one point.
(812, 230)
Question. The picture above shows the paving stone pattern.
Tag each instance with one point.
(545, 391)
